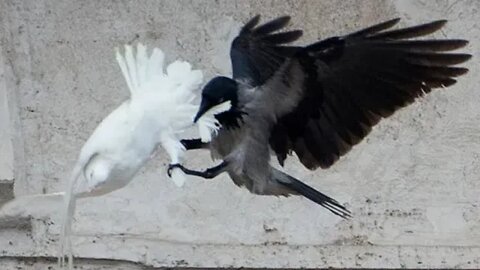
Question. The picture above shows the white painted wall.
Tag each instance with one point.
(413, 185)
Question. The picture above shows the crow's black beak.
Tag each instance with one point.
(204, 107)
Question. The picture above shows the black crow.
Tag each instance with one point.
(316, 100)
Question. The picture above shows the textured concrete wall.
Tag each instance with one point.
(413, 185)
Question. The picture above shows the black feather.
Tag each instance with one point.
(231, 119)
(316, 196)
(256, 53)
(411, 32)
(272, 26)
(425, 45)
(285, 37)
(374, 29)
(436, 59)
(250, 25)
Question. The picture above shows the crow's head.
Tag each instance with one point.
(217, 91)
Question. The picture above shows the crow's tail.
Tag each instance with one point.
(314, 195)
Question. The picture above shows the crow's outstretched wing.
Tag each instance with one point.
(351, 82)
(258, 51)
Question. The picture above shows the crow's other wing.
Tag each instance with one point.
(351, 82)
(258, 51)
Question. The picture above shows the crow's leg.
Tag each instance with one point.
(192, 144)
(208, 173)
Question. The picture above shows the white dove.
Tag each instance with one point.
(160, 107)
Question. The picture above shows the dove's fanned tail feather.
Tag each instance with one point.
(142, 64)
(140, 71)
(132, 69)
(155, 64)
(123, 67)
(145, 74)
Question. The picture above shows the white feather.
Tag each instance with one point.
(123, 67)
(208, 125)
(132, 68)
(142, 62)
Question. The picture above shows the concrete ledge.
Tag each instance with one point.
(15, 263)
(156, 254)
(17, 223)
(6, 192)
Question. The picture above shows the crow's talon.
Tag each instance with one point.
(171, 167)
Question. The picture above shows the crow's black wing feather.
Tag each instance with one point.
(351, 82)
(258, 51)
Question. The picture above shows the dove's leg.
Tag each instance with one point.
(173, 147)
(208, 173)
(192, 144)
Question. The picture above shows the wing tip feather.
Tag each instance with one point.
(272, 25)
(375, 28)
(250, 24)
